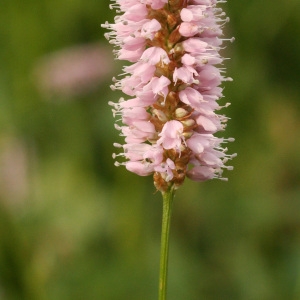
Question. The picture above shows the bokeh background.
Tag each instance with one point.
(73, 226)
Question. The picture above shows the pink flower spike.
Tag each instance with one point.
(174, 89)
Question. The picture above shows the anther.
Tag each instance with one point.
(117, 145)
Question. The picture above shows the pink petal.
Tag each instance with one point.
(186, 15)
(197, 143)
(206, 123)
(187, 29)
(150, 28)
(201, 173)
(194, 45)
(191, 97)
(154, 55)
(170, 136)
(142, 169)
(188, 60)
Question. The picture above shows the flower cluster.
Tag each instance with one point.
(170, 118)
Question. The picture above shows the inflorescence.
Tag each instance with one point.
(173, 86)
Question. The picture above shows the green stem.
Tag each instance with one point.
(164, 252)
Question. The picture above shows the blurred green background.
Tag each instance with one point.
(73, 226)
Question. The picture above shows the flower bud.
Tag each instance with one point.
(180, 112)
